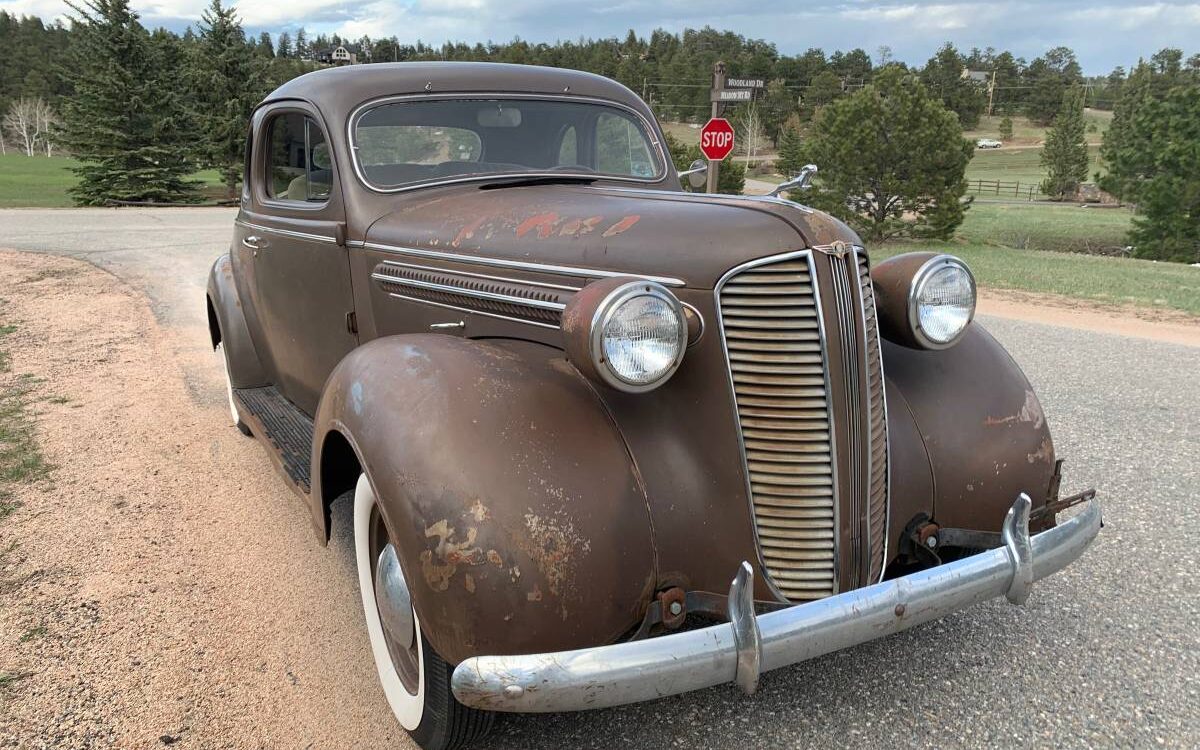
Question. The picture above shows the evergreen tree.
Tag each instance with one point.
(1151, 158)
(1006, 128)
(228, 82)
(791, 152)
(125, 123)
(283, 48)
(1065, 155)
(1050, 76)
(892, 160)
(942, 75)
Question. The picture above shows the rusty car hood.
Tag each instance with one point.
(687, 236)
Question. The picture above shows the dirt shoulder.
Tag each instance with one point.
(159, 586)
(1158, 325)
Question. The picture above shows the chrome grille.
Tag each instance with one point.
(775, 341)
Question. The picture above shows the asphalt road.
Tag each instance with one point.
(1106, 653)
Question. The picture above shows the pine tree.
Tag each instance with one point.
(1006, 128)
(228, 82)
(1065, 155)
(791, 152)
(126, 122)
(942, 75)
(892, 160)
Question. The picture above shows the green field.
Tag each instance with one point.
(1028, 246)
(1021, 165)
(1025, 132)
(40, 182)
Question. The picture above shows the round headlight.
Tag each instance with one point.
(941, 301)
(638, 336)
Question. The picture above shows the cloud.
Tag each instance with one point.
(1104, 33)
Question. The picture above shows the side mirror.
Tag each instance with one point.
(697, 174)
(801, 181)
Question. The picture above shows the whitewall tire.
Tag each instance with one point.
(415, 679)
(237, 420)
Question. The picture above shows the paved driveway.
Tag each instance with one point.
(1105, 654)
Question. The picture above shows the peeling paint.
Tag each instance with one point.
(468, 231)
(439, 564)
(543, 223)
(555, 546)
(1031, 412)
(535, 595)
(1043, 452)
(479, 512)
(579, 227)
(621, 226)
(494, 558)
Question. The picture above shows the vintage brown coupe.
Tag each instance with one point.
(570, 402)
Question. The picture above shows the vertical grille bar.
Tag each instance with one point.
(880, 458)
(774, 337)
(852, 411)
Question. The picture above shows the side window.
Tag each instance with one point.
(299, 165)
(568, 148)
(620, 147)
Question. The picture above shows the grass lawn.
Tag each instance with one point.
(1025, 132)
(1011, 246)
(40, 182)
(1019, 165)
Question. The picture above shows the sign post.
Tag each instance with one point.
(714, 165)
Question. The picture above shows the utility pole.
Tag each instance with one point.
(718, 85)
(991, 92)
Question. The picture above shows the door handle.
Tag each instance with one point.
(253, 241)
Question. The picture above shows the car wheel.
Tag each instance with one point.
(415, 679)
(237, 420)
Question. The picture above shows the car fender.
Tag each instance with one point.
(227, 326)
(521, 520)
(981, 425)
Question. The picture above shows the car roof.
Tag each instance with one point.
(340, 89)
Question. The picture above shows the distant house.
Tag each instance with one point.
(980, 77)
(340, 55)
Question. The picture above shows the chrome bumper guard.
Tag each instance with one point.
(739, 650)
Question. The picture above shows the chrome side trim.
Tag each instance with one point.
(633, 671)
(492, 296)
(474, 275)
(833, 457)
(473, 312)
(582, 273)
(286, 232)
(887, 434)
(652, 135)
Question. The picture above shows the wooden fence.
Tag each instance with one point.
(1026, 190)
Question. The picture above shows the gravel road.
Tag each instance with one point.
(1105, 654)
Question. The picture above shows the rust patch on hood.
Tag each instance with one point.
(468, 231)
(621, 226)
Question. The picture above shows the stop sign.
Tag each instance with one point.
(716, 139)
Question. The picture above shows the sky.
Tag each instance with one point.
(1103, 33)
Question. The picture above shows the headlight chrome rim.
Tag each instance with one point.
(919, 281)
(604, 314)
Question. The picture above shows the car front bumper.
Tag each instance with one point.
(739, 650)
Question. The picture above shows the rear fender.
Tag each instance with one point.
(521, 521)
(227, 326)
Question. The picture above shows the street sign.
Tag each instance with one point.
(716, 139)
(744, 83)
(733, 95)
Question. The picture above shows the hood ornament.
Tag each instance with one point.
(802, 181)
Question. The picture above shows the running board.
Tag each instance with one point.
(287, 431)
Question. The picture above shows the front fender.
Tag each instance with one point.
(982, 426)
(521, 522)
(227, 326)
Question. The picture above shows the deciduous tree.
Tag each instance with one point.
(892, 160)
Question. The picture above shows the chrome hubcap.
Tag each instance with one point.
(392, 599)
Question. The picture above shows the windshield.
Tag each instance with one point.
(410, 142)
